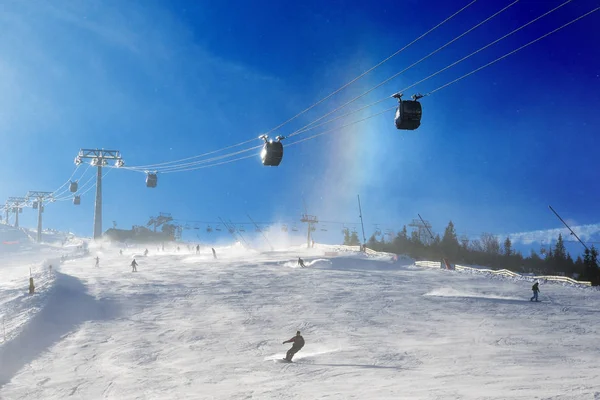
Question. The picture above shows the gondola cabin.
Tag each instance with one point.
(73, 187)
(408, 113)
(151, 180)
(76, 200)
(272, 152)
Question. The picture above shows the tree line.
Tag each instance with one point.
(487, 251)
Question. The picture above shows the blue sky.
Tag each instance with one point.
(166, 80)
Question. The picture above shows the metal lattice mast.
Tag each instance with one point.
(16, 205)
(99, 158)
(39, 197)
(311, 220)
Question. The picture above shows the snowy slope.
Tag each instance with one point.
(187, 326)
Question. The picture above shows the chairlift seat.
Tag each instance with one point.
(73, 187)
(77, 200)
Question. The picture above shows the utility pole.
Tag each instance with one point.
(361, 221)
(16, 206)
(39, 198)
(99, 159)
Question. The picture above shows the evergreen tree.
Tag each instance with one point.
(508, 247)
(346, 232)
(590, 261)
(449, 243)
(354, 240)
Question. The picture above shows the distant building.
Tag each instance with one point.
(140, 234)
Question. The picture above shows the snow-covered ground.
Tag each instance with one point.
(187, 326)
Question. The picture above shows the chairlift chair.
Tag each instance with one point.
(151, 179)
(73, 186)
(77, 200)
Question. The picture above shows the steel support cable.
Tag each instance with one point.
(62, 192)
(486, 46)
(304, 128)
(512, 52)
(68, 180)
(79, 189)
(308, 127)
(208, 160)
(341, 127)
(152, 166)
(186, 166)
(78, 193)
(372, 68)
(290, 144)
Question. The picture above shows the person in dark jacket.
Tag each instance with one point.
(301, 262)
(134, 265)
(536, 290)
(298, 341)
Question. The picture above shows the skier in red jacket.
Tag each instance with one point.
(298, 341)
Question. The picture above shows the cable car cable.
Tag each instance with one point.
(512, 52)
(150, 166)
(407, 68)
(372, 68)
(488, 45)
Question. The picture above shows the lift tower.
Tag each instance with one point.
(38, 199)
(16, 204)
(99, 158)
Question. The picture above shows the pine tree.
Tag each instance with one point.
(354, 240)
(449, 243)
(508, 247)
(346, 232)
(590, 261)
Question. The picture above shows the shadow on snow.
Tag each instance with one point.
(67, 307)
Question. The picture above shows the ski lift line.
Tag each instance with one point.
(342, 127)
(66, 189)
(79, 193)
(372, 68)
(186, 165)
(304, 128)
(481, 49)
(68, 180)
(152, 166)
(174, 168)
(211, 165)
(512, 52)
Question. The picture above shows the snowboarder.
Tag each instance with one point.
(97, 262)
(301, 263)
(134, 266)
(536, 290)
(298, 341)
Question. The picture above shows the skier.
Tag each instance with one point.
(536, 290)
(197, 248)
(214, 252)
(97, 262)
(121, 251)
(298, 341)
(146, 252)
(301, 263)
(134, 266)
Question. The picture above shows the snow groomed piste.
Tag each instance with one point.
(188, 326)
